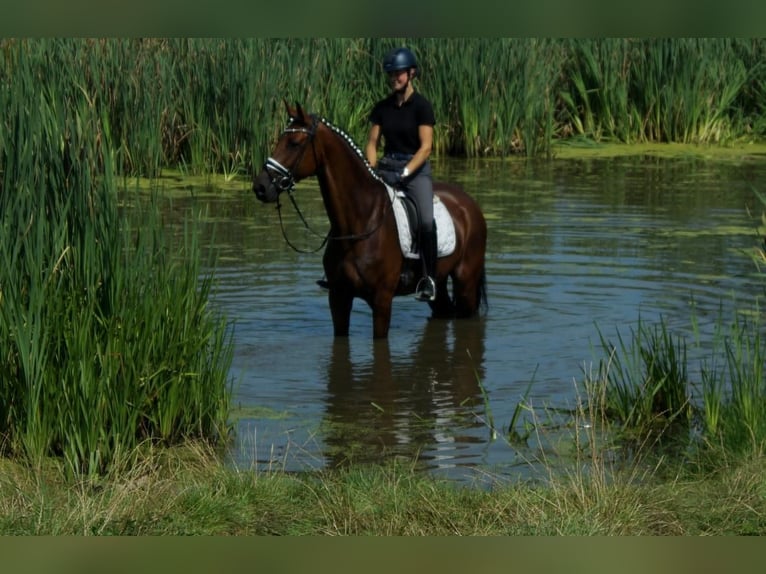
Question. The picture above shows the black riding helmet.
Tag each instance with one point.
(399, 59)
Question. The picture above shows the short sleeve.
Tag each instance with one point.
(426, 116)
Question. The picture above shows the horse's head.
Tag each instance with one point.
(288, 162)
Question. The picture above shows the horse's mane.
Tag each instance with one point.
(354, 147)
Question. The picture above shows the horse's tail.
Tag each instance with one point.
(481, 291)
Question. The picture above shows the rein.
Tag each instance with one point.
(305, 224)
(283, 179)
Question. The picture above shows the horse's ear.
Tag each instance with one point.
(301, 114)
(290, 111)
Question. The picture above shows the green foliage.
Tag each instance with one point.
(215, 105)
(646, 388)
(733, 379)
(734, 390)
(666, 90)
(106, 337)
(646, 379)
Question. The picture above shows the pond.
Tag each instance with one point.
(578, 248)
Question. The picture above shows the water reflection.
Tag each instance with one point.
(411, 405)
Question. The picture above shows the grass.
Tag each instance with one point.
(647, 383)
(734, 390)
(186, 491)
(650, 397)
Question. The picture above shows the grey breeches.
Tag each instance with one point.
(420, 188)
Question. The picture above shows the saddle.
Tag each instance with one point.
(407, 215)
(412, 214)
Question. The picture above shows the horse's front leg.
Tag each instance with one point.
(341, 301)
(381, 313)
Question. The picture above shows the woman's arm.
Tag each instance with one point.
(426, 134)
(371, 149)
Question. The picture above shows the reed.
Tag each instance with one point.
(597, 99)
(646, 390)
(734, 391)
(106, 336)
(733, 386)
(647, 386)
(214, 105)
(685, 88)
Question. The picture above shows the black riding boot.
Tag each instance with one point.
(426, 289)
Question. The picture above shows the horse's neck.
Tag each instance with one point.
(352, 194)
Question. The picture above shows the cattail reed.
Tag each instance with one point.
(215, 105)
(106, 337)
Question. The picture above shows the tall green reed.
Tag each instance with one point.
(733, 385)
(597, 96)
(646, 389)
(685, 88)
(106, 335)
(647, 385)
(215, 105)
(492, 96)
(734, 389)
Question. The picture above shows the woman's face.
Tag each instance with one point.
(399, 79)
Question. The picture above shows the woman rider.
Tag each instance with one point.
(405, 120)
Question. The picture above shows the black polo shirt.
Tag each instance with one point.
(399, 125)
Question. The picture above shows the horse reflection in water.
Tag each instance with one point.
(412, 408)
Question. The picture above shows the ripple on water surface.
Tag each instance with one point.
(569, 256)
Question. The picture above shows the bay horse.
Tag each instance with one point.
(364, 257)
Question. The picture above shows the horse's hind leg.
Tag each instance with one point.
(465, 287)
(442, 307)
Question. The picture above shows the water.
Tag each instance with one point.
(576, 248)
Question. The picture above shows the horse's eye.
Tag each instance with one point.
(293, 143)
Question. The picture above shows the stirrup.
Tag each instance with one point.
(323, 283)
(425, 290)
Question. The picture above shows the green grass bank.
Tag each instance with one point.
(187, 492)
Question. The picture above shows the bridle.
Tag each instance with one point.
(283, 179)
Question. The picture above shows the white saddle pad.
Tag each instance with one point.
(445, 228)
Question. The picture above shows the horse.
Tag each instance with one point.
(364, 257)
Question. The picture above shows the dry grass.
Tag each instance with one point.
(187, 491)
